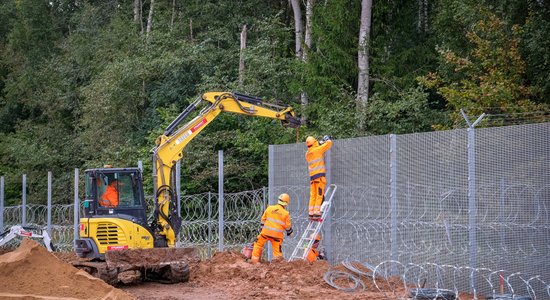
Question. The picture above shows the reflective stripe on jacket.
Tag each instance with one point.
(275, 220)
(315, 160)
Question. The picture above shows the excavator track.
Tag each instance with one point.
(165, 265)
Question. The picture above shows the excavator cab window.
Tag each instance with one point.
(113, 190)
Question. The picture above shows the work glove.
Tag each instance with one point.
(326, 138)
(324, 206)
(289, 231)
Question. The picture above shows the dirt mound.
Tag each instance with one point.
(227, 275)
(31, 272)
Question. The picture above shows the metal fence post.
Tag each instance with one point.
(264, 198)
(76, 232)
(209, 224)
(220, 200)
(2, 204)
(501, 219)
(49, 209)
(24, 202)
(140, 165)
(327, 230)
(472, 206)
(270, 184)
(393, 198)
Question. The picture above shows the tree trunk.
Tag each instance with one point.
(304, 99)
(241, 57)
(190, 29)
(299, 52)
(298, 26)
(363, 61)
(137, 14)
(307, 40)
(173, 14)
(422, 16)
(150, 18)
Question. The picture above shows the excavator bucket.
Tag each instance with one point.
(168, 265)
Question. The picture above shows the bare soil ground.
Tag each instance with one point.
(229, 276)
(30, 272)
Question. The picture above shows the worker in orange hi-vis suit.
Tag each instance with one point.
(317, 172)
(110, 197)
(275, 222)
(313, 254)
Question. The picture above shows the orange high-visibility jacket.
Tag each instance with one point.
(110, 197)
(315, 160)
(275, 220)
(312, 255)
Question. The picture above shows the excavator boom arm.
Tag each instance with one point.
(175, 138)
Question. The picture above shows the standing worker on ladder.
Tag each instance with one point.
(317, 172)
(275, 221)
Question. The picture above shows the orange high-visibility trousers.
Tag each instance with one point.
(316, 195)
(259, 245)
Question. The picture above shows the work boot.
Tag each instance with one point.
(316, 217)
(277, 259)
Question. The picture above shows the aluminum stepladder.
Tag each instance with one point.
(313, 227)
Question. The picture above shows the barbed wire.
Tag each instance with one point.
(434, 281)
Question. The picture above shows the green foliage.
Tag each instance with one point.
(491, 78)
(411, 112)
(534, 47)
(81, 85)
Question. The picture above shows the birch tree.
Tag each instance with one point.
(363, 60)
(137, 14)
(304, 99)
(241, 57)
(299, 51)
(150, 18)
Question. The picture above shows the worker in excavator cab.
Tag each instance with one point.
(275, 223)
(317, 172)
(315, 254)
(110, 197)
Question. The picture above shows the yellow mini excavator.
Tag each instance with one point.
(115, 234)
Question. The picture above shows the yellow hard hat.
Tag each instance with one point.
(317, 238)
(284, 199)
(310, 141)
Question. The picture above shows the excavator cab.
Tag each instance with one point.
(115, 191)
(115, 236)
(114, 213)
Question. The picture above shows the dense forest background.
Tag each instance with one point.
(88, 83)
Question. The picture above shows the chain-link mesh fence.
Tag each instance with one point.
(200, 214)
(410, 199)
(425, 198)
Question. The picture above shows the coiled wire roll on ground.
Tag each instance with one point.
(331, 276)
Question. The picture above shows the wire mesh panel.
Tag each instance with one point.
(432, 185)
(433, 201)
(513, 198)
(360, 221)
(288, 174)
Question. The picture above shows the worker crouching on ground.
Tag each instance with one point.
(317, 172)
(314, 254)
(275, 222)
